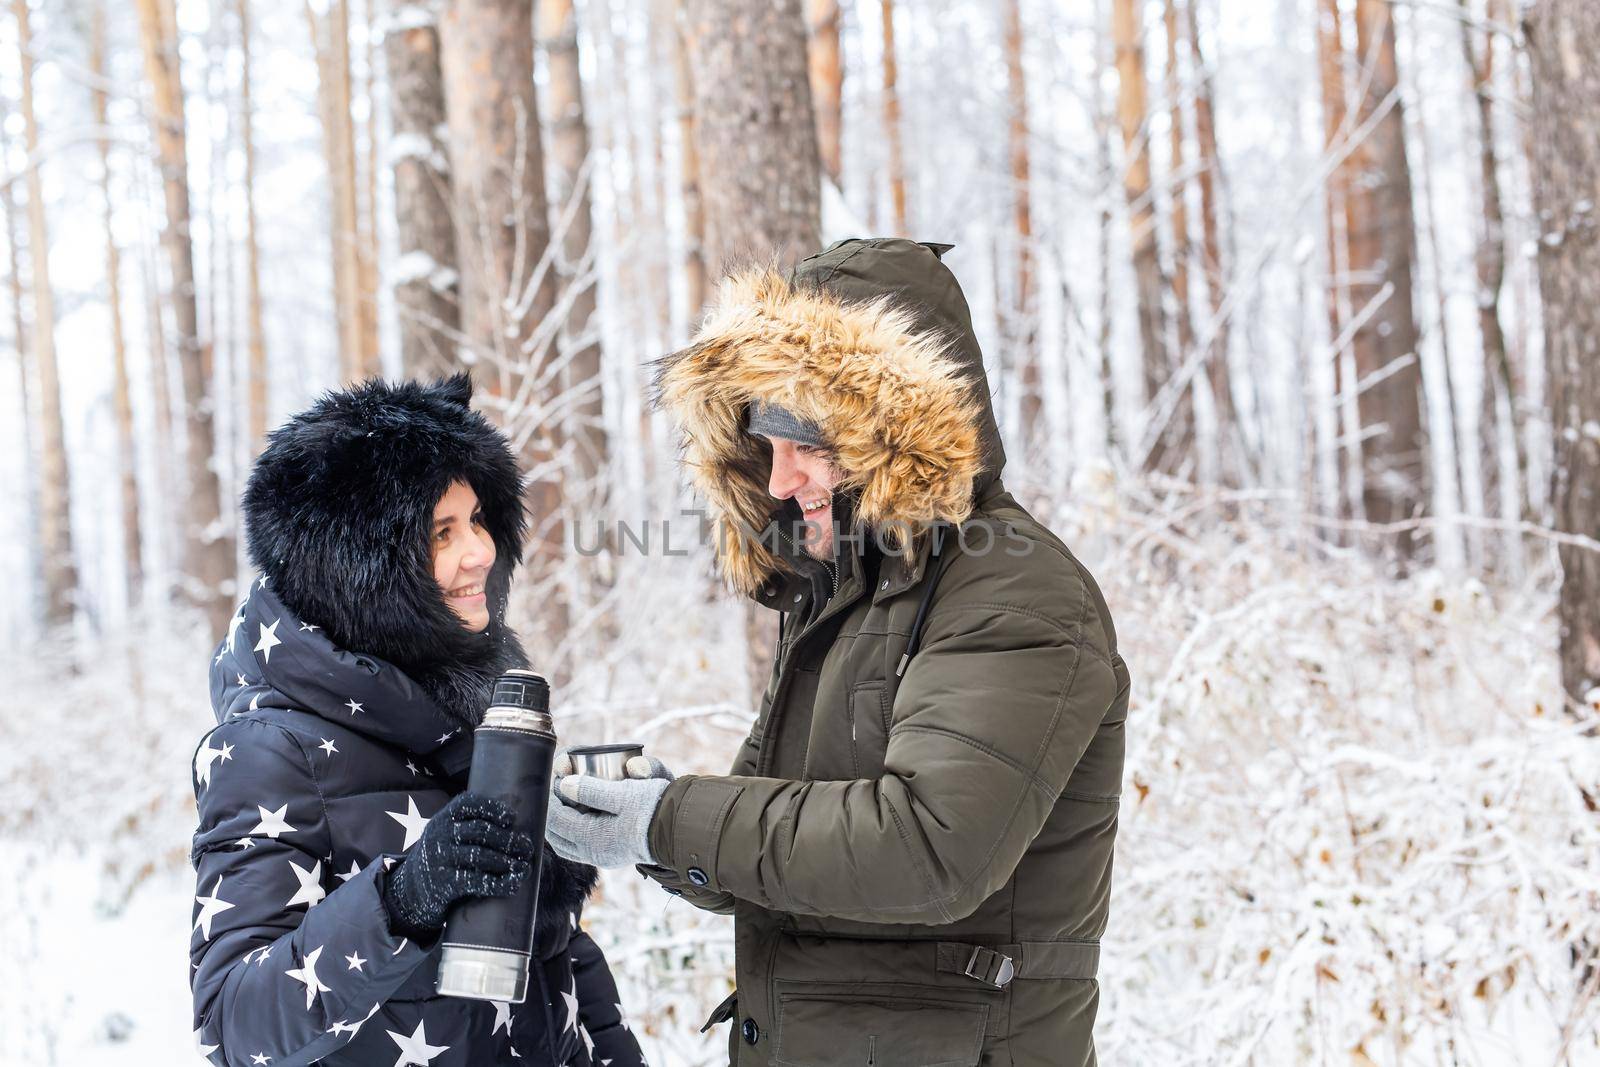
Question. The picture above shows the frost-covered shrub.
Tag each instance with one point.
(1358, 824)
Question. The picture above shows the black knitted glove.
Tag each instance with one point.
(468, 849)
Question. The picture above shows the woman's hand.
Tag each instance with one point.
(469, 849)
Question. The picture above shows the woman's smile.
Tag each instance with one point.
(463, 555)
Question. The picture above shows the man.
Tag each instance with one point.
(915, 840)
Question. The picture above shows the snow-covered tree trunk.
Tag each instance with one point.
(1457, 477)
(19, 323)
(1104, 121)
(1208, 176)
(256, 344)
(497, 180)
(1179, 184)
(132, 547)
(370, 152)
(694, 212)
(1169, 434)
(55, 520)
(330, 35)
(827, 84)
(760, 173)
(1563, 38)
(760, 168)
(209, 549)
(508, 281)
(1336, 186)
(891, 122)
(20, 344)
(165, 488)
(1023, 335)
(426, 276)
(1382, 240)
(14, 276)
(1502, 488)
(570, 182)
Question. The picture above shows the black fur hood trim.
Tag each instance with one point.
(338, 511)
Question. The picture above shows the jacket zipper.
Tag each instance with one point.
(764, 764)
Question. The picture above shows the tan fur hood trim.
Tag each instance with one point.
(902, 421)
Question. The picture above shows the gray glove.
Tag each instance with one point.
(648, 767)
(616, 832)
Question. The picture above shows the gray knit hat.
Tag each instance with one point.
(769, 420)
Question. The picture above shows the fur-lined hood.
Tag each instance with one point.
(872, 341)
(338, 511)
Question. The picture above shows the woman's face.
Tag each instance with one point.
(463, 552)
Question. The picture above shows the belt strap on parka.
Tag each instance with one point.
(998, 965)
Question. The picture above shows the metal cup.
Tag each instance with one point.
(604, 761)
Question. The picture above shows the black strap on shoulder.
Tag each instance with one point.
(922, 609)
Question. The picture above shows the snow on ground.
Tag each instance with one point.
(88, 985)
(1358, 826)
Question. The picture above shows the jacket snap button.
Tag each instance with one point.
(885, 584)
(697, 876)
(797, 598)
(751, 1032)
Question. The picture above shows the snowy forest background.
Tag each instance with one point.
(1291, 308)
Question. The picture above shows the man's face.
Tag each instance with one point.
(463, 553)
(806, 475)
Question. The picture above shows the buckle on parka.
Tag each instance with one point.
(990, 967)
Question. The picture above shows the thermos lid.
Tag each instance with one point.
(521, 689)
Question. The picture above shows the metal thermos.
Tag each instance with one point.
(488, 943)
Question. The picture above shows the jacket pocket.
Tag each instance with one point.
(869, 728)
(876, 1030)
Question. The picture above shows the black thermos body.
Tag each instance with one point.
(488, 943)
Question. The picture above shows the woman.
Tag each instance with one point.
(334, 834)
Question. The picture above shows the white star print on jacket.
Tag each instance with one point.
(210, 908)
(303, 810)
(205, 756)
(268, 640)
(306, 975)
(310, 890)
(415, 1048)
(412, 821)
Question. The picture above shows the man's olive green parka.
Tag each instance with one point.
(916, 851)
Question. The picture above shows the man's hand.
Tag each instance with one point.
(616, 831)
(648, 767)
(469, 849)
